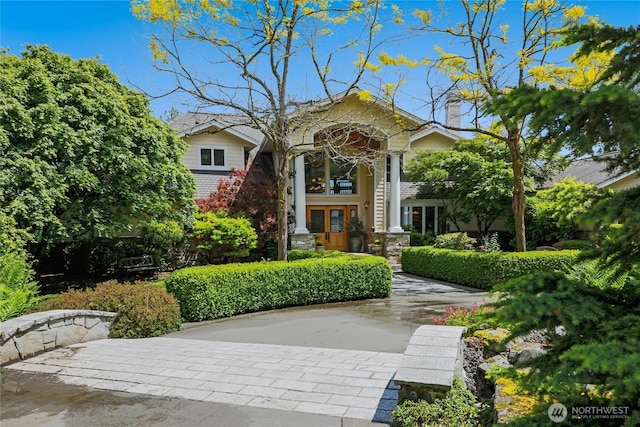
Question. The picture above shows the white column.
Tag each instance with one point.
(394, 195)
(299, 194)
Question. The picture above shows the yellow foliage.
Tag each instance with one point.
(365, 96)
(541, 5)
(580, 75)
(491, 336)
(362, 62)
(574, 13)
(423, 15)
(157, 52)
(397, 14)
(387, 59)
(504, 29)
(158, 10)
(519, 403)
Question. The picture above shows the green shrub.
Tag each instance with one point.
(142, 310)
(458, 241)
(418, 239)
(165, 241)
(473, 318)
(211, 292)
(481, 269)
(458, 409)
(18, 291)
(579, 245)
(219, 235)
(298, 254)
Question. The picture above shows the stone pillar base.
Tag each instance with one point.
(394, 243)
(303, 241)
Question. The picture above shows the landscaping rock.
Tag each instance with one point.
(485, 387)
(490, 340)
(524, 351)
(473, 357)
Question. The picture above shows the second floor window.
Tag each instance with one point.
(324, 176)
(212, 157)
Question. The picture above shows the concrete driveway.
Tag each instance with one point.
(46, 393)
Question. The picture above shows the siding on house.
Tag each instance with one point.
(434, 141)
(207, 183)
(234, 146)
(626, 183)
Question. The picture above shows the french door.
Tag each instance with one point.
(329, 223)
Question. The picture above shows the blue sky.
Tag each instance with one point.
(107, 29)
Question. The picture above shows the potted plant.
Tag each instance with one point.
(356, 231)
(376, 247)
(319, 246)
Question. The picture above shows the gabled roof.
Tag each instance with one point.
(591, 171)
(415, 120)
(431, 130)
(192, 123)
(354, 92)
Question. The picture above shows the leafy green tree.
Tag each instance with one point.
(557, 212)
(619, 218)
(473, 177)
(255, 47)
(80, 154)
(604, 117)
(485, 58)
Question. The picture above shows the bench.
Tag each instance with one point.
(139, 264)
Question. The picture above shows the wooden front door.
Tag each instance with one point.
(330, 225)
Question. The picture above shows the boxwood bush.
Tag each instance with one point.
(142, 310)
(211, 292)
(298, 254)
(481, 269)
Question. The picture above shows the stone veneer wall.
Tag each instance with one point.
(28, 335)
(394, 243)
(303, 241)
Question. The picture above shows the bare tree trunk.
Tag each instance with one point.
(283, 200)
(517, 164)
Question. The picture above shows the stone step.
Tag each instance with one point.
(395, 266)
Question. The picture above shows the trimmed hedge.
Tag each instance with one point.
(481, 269)
(298, 254)
(142, 310)
(215, 291)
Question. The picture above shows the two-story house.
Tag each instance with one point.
(329, 185)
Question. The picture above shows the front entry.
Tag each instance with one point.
(329, 223)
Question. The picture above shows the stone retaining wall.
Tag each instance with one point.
(27, 335)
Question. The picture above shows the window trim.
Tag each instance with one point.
(212, 166)
(423, 203)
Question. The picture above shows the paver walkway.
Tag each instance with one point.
(345, 383)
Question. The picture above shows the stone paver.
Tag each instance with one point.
(351, 384)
